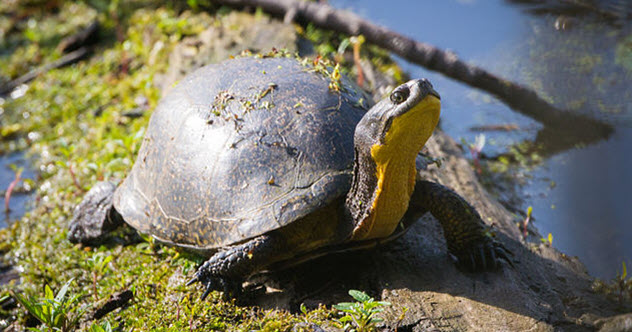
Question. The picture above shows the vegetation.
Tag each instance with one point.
(619, 288)
(360, 316)
(84, 123)
(55, 312)
(75, 121)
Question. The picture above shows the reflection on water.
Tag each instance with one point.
(577, 63)
(591, 200)
(18, 200)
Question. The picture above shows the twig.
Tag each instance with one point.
(526, 221)
(357, 43)
(94, 286)
(7, 194)
(115, 301)
(518, 97)
(83, 37)
(73, 176)
(65, 60)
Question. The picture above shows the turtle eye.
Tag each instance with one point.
(398, 96)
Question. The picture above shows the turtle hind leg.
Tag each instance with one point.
(95, 217)
(227, 269)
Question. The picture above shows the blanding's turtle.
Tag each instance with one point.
(261, 161)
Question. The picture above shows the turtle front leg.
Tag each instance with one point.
(227, 269)
(464, 230)
(95, 216)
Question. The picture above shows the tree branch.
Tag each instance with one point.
(518, 97)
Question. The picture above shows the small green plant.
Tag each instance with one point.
(361, 315)
(526, 221)
(98, 264)
(56, 312)
(548, 241)
(623, 283)
(104, 326)
(475, 150)
(304, 311)
(620, 287)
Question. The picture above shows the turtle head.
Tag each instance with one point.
(403, 121)
(387, 140)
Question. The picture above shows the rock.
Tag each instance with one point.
(307, 327)
(619, 323)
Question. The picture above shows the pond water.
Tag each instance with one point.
(582, 196)
(18, 201)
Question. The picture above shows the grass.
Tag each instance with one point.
(56, 312)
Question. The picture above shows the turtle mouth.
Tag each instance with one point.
(433, 92)
(426, 88)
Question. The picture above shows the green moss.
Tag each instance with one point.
(72, 120)
(329, 44)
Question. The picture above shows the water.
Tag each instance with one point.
(19, 199)
(587, 208)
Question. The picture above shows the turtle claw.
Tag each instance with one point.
(501, 252)
(213, 281)
(485, 257)
(207, 291)
(192, 280)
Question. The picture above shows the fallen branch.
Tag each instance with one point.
(518, 97)
(496, 127)
(65, 60)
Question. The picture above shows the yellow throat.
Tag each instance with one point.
(396, 170)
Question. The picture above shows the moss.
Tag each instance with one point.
(72, 120)
(329, 44)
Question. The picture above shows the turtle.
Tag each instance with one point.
(260, 161)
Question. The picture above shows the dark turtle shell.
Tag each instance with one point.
(238, 149)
